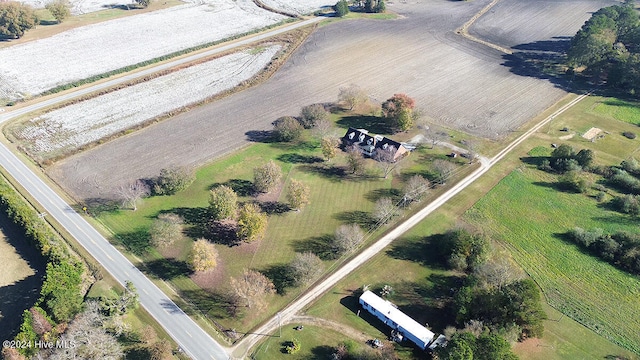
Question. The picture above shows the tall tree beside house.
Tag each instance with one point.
(397, 110)
(355, 160)
(329, 147)
(16, 18)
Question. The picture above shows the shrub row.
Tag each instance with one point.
(61, 295)
(620, 249)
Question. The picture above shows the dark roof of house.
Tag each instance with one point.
(359, 137)
(388, 142)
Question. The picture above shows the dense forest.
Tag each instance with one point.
(607, 47)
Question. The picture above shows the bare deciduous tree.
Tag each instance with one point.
(266, 177)
(355, 160)
(443, 169)
(91, 340)
(252, 287)
(472, 150)
(385, 160)
(498, 271)
(352, 96)
(132, 193)
(383, 210)
(298, 194)
(347, 238)
(322, 128)
(204, 255)
(415, 188)
(166, 230)
(305, 267)
(40, 323)
(434, 134)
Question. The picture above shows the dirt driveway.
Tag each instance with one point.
(459, 83)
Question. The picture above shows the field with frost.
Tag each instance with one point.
(81, 6)
(299, 7)
(95, 49)
(66, 129)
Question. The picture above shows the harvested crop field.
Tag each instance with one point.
(81, 6)
(299, 7)
(67, 129)
(534, 25)
(458, 82)
(99, 48)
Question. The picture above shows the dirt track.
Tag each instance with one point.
(458, 82)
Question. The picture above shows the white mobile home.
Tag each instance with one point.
(396, 319)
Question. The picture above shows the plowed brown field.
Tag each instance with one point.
(458, 82)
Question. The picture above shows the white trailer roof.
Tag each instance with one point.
(397, 316)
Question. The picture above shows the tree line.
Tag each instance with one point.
(608, 46)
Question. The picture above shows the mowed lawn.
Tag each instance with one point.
(335, 200)
(528, 215)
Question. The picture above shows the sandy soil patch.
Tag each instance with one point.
(95, 49)
(592, 133)
(459, 83)
(64, 130)
(566, 137)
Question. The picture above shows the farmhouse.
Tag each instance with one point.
(399, 321)
(370, 144)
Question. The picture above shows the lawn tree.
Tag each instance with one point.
(374, 6)
(166, 230)
(311, 115)
(287, 128)
(385, 160)
(443, 169)
(347, 238)
(59, 9)
(398, 112)
(329, 146)
(341, 8)
(266, 177)
(352, 96)
(298, 194)
(16, 18)
(305, 267)
(132, 192)
(252, 223)
(251, 288)
(322, 128)
(383, 210)
(498, 271)
(173, 179)
(355, 160)
(223, 203)
(415, 188)
(203, 256)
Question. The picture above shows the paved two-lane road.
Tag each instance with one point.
(190, 337)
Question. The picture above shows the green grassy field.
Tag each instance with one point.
(335, 199)
(528, 215)
(627, 111)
